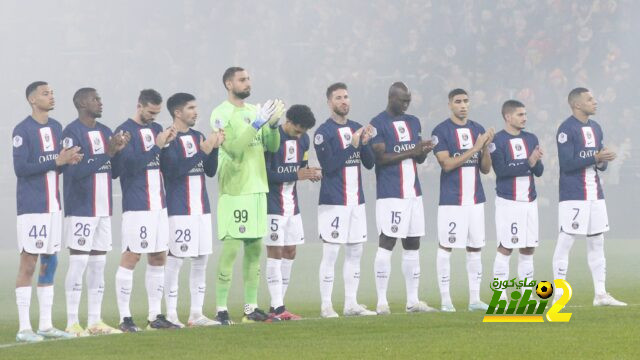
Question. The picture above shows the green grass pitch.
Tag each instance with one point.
(593, 332)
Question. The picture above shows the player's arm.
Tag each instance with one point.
(211, 163)
(568, 161)
(89, 165)
(270, 138)
(602, 165)
(485, 161)
(23, 167)
(173, 165)
(485, 139)
(330, 159)
(538, 168)
(368, 156)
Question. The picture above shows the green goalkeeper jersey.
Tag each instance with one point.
(241, 166)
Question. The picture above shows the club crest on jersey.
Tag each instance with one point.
(274, 236)
(518, 147)
(144, 244)
(452, 239)
(318, 139)
(335, 234)
(394, 228)
(492, 147)
(47, 139)
(184, 247)
(67, 142)
(242, 229)
(345, 136)
(575, 225)
(402, 131)
(291, 148)
(39, 244)
(589, 137)
(17, 141)
(247, 120)
(514, 240)
(82, 241)
(217, 124)
(147, 138)
(562, 138)
(97, 147)
(464, 138)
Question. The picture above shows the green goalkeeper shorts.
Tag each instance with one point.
(242, 216)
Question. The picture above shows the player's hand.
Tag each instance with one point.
(535, 156)
(264, 113)
(489, 138)
(355, 138)
(70, 156)
(367, 134)
(213, 142)
(480, 141)
(307, 173)
(277, 114)
(605, 155)
(118, 142)
(166, 136)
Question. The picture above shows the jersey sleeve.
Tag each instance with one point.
(270, 138)
(330, 157)
(538, 168)
(368, 156)
(238, 134)
(21, 164)
(441, 139)
(379, 138)
(89, 163)
(566, 139)
(305, 151)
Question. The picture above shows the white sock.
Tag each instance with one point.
(73, 286)
(411, 271)
(287, 264)
(171, 277)
(501, 266)
(124, 283)
(561, 259)
(327, 270)
(443, 269)
(351, 273)
(474, 271)
(154, 282)
(525, 267)
(95, 287)
(382, 268)
(45, 300)
(23, 300)
(274, 281)
(597, 262)
(197, 285)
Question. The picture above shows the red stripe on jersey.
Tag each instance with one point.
(395, 131)
(359, 185)
(415, 182)
(58, 191)
(162, 204)
(142, 145)
(408, 129)
(95, 182)
(109, 197)
(475, 185)
(46, 192)
(105, 143)
(457, 138)
(460, 184)
(584, 182)
(146, 188)
(401, 180)
(344, 184)
(202, 191)
(188, 192)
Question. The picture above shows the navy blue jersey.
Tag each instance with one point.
(87, 185)
(341, 181)
(138, 166)
(577, 145)
(35, 149)
(399, 134)
(282, 173)
(184, 167)
(460, 186)
(514, 176)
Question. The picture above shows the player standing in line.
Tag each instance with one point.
(341, 144)
(516, 158)
(242, 178)
(145, 227)
(462, 151)
(582, 209)
(36, 163)
(88, 209)
(284, 168)
(398, 147)
(184, 164)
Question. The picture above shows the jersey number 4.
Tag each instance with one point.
(34, 233)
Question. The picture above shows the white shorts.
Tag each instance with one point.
(88, 233)
(342, 224)
(284, 230)
(400, 218)
(461, 226)
(190, 235)
(516, 223)
(39, 233)
(145, 232)
(583, 217)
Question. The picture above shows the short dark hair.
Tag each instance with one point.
(510, 106)
(81, 94)
(575, 93)
(177, 101)
(301, 115)
(397, 86)
(334, 87)
(456, 92)
(229, 73)
(149, 96)
(33, 86)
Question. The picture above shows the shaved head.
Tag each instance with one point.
(81, 95)
(397, 88)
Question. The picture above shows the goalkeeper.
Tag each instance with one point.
(242, 205)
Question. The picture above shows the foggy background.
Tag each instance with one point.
(533, 51)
